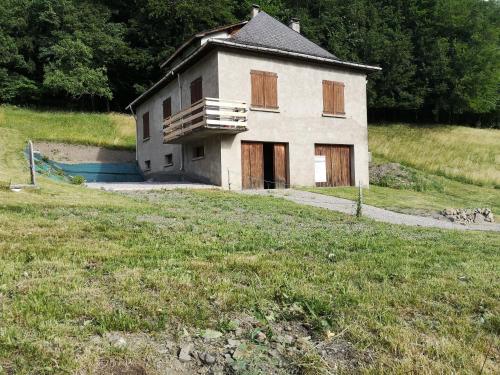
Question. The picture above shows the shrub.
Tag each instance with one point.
(77, 180)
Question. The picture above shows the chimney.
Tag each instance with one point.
(294, 24)
(255, 10)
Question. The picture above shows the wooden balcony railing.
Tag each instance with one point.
(208, 116)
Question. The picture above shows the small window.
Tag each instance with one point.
(264, 89)
(198, 152)
(169, 160)
(147, 165)
(145, 126)
(333, 98)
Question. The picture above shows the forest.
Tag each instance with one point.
(440, 58)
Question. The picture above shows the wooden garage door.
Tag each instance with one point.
(338, 164)
(252, 165)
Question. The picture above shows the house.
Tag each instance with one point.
(255, 105)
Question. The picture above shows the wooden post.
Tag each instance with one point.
(32, 163)
(359, 205)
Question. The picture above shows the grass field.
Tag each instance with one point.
(466, 154)
(109, 130)
(76, 264)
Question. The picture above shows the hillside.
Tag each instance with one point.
(462, 153)
(95, 282)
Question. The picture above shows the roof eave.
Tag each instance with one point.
(347, 64)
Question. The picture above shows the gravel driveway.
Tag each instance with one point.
(375, 213)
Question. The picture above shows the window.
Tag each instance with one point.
(196, 90)
(264, 89)
(145, 126)
(167, 108)
(147, 165)
(198, 152)
(169, 160)
(333, 98)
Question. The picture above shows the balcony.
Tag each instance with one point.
(207, 117)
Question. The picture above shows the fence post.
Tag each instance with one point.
(32, 163)
(359, 206)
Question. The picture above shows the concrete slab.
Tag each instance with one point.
(147, 186)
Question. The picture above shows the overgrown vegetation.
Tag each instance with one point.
(440, 58)
(465, 154)
(109, 130)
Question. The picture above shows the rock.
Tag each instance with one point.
(232, 343)
(478, 218)
(210, 334)
(116, 340)
(185, 352)
(260, 337)
(207, 358)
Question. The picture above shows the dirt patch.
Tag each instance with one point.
(242, 344)
(67, 153)
(116, 368)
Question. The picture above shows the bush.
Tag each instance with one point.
(77, 180)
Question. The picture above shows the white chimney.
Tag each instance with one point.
(255, 10)
(294, 24)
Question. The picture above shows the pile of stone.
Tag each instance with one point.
(469, 216)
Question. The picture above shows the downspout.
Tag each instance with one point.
(180, 109)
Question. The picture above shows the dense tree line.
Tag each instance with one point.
(440, 58)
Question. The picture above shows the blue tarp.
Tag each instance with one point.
(92, 172)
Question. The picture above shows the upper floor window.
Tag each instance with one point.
(145, 126)
(167, 108)
(333, 98)
(264, 89)
(196, 90)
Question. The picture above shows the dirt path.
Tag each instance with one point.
(375, 213)
(67, 153)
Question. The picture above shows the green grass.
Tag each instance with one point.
(465, 154)
(108, 130)
(453, 194)
(76, 263)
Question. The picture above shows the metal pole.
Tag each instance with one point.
(228, 179)
(32, 163)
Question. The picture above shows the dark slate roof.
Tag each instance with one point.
(265, 31)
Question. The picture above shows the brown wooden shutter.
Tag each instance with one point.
(328, 106)
(145, 125)
(257, 88)
(333, 98)
(167, 108)
(338, 95)
(196, 90)
(271, 90)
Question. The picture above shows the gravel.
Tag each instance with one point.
(375, 213)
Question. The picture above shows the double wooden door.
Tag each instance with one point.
(259, 171)
(337, 163)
